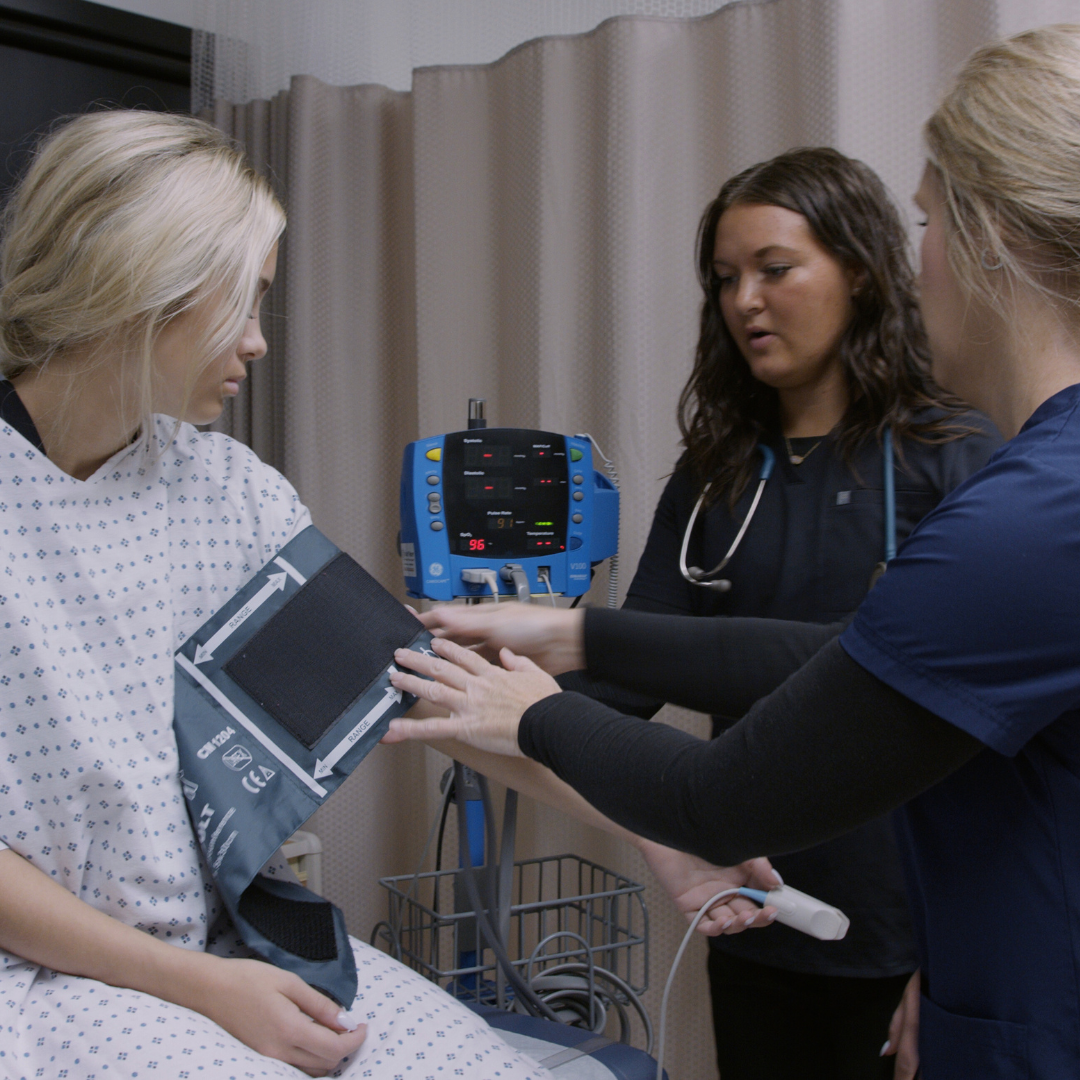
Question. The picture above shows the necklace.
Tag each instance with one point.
(798, 459)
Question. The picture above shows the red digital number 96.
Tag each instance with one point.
(476, 545)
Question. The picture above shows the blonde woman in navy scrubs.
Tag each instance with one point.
(955, 693)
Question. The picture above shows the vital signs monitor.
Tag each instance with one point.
(510, 510)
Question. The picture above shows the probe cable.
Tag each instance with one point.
(753, 894)
(545, 577)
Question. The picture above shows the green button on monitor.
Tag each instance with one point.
(575, 454)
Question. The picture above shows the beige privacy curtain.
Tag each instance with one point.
(523, 231)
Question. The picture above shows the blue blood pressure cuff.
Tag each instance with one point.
(278, 698)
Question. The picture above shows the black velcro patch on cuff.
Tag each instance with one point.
(323, 649)
(303, 928)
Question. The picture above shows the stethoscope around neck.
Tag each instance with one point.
(708, 579)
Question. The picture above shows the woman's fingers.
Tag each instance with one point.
(320, 1045)
(762, 874)
(733, 916)
(437, 693)
(451, 667)
(468, 659)
(460, 622)
(440, 727)
(904, 1032)
(512, 662)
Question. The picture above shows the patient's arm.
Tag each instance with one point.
(268, 1009)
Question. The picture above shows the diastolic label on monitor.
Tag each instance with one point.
(506, 493)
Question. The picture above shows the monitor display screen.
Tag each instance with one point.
(506, 493)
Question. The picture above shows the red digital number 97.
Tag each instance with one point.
(476, 545)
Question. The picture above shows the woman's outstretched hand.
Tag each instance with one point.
(486, 702)
(690, 881)
(904, 1032)
(552, 638)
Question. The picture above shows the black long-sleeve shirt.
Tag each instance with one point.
(758, 787)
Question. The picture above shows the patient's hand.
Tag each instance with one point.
(690, 881)
(553, 638)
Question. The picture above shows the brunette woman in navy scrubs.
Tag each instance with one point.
(955, 692)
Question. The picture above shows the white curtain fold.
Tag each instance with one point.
(251, 48)
(523, 231)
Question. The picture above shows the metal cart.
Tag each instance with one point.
(575, 931)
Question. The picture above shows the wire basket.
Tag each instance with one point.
(565, 911)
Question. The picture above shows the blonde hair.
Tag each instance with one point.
(1006, 144)
(124, 220)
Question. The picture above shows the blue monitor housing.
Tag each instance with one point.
(488, 498)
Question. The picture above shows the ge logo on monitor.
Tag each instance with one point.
(435, 569)
(237, 759)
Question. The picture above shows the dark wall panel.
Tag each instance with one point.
(60, 57)
(35, 90)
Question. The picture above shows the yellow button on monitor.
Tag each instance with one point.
(435, 454)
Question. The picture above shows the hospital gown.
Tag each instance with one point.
(100, 582)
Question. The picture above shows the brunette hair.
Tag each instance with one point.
(724, 411)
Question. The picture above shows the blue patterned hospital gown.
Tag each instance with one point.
(100, 581)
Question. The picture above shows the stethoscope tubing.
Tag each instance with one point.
(890, 495)
(768, 460)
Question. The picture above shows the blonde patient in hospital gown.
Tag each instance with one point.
(135, 254)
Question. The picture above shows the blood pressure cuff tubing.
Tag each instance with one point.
(278, 698)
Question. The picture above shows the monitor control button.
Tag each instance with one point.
(434, 506)
(432, 479)
(575, 454)
(436, 526)
(578, 496)
(435, 454)
(577, 519)
(578, 478)
(575, 542)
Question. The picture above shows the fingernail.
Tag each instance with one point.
(727, 924)
(885, 1048)
(776, 874)
(345, 1020)
(772, 915)
(749, 919)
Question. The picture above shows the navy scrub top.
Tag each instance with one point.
(978, 620)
